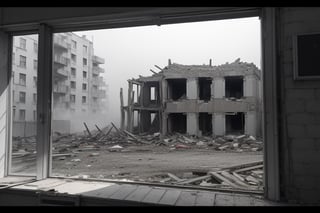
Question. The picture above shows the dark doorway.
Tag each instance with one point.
(177, 122)
(205, 123)
(205, 89)
(235, 123)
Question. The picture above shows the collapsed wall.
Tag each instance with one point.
(197, 100)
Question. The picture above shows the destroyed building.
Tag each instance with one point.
(196, 100)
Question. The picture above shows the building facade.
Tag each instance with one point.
(197, 100)
(77, 85)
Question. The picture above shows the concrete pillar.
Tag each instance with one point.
(251, 123)
(192, 88)
(164, 88)
(250, 87)
(164, 129)
(218, 124)
(192, 123)
(218, 87)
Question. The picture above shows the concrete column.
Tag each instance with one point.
(218, 124)
(164, 123)
(251, 123)
(192, 123)
(250, 87)
(218, 87)
(192, 88)
(164, 88)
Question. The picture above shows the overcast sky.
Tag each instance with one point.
(130, 52)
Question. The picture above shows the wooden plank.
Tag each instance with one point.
(123, 192)
(139, 193)
(223, 200)
(174, 177)
(243, 165)
(223, 179)
(187, 198)
(234, 179)
(205, 199)
(195, 179)
(84, 123)
(154, 195)
(238, 176)
(170, 197)
(249, 168)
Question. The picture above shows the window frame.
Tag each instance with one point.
(269, 62)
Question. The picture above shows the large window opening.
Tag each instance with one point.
(234, 87)
(156, 125)
(205, 89)
(177, 89)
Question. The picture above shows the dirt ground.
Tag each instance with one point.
(147, 163)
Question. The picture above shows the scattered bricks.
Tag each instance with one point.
(306, 94)
(220, 140)
(296, 131)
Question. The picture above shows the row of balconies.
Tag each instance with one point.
(60, 42)
(97, 70)
(97, 60)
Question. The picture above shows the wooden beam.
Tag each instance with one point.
(87, 129)
(153, 71)
(158, 67)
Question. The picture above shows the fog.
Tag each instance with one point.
(130, 52)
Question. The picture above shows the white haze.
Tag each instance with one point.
(130, 52)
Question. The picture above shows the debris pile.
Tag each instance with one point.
(246, 176)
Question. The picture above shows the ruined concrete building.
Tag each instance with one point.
(196, 100)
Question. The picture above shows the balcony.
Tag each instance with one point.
(101, 93)
(98, 81)
(97, 60)
(60, 89)
(97, 70)
(63, 72)
(60, 42)
(59, 59)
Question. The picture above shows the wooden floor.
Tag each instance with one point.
(133, 194)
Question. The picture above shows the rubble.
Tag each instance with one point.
(245, 177)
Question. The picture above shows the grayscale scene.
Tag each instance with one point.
(177, 104)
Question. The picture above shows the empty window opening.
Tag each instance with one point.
(234, 87)
(136, 121)
(205, 123)
(205, 89)
(235, 123)
(177, 122)
(177, 89)
(152, 93)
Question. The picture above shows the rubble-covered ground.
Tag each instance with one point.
(175, 159)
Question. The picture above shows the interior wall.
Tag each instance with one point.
(300, 148)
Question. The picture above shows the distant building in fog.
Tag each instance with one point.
(78, 88)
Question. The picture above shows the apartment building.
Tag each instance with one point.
(78, 89)
(197, 100)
